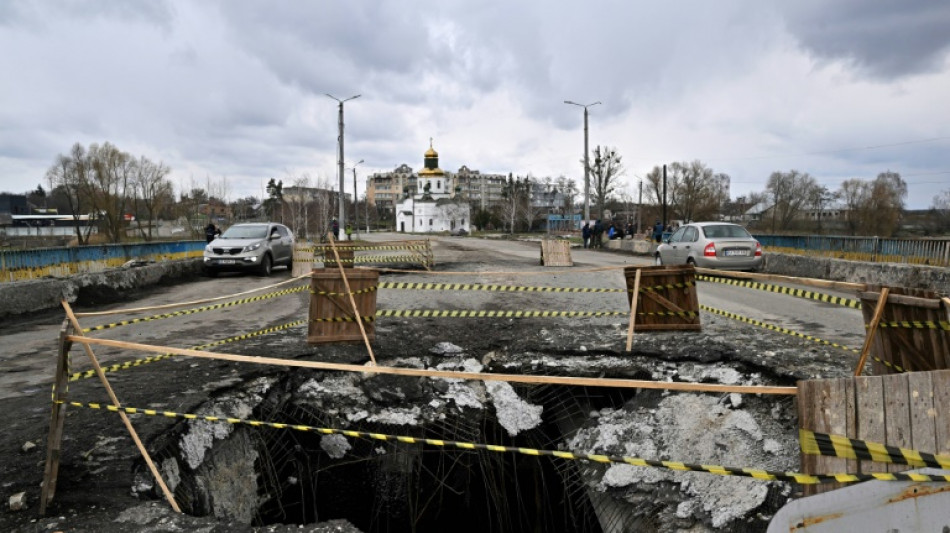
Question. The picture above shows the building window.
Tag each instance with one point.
(430, 222)
(438, 184)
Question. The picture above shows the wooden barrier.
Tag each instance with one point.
(331, 311)
(910, 410)
(667, 298)
(556, 253)
(912, 346)
(303, 259)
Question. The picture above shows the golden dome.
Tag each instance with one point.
(431, 153)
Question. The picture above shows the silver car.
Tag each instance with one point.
(711, 245)
(256, 247)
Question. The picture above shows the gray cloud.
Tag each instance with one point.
(882, 38)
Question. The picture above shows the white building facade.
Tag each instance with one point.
(434, 206)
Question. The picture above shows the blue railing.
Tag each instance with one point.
(935, 252)
(18, 265)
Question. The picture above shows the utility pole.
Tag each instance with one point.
(356, 213)
(664, 196)
(586, 160)
(342, 220)
(639, 205)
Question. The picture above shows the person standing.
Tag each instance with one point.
(211, 231)
(349, 232)
(336, 229)
(597, 235)
(585, 233)
(658, 231)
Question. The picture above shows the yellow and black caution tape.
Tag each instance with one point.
(814, 443)
(786, 331)
(755, 473)
(488, 288)
(916, 324)
(800, 293)
(197, 309)
(516, 288)
(344, 319)
(464, 313)
(327, 249)
(151, 359)
(379, 259)
(361, 291)
(461, 313)
(773, 327)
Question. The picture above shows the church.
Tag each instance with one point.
(435, 207)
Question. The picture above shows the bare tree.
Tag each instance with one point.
(605, 174)
(693, 190)
(516, 194)
(568, 190)
(789, 193)
(888, 192)
(296, 204)
(69, 174)
(108, 187)
(874, 208)
(152, 193)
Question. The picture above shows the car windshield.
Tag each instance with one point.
(726, 231)
(245, 232)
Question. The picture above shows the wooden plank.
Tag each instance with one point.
(807, 419)
(897, 414)
(399, 371)
(872, 329)
(870, 419)
(827, 413)
(115, 402)
(851, 412)
(832, 415)
(54, 441)
(923, 417)
(634, 297)
(941, 389)
(903, 299)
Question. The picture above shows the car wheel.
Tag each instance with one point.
(658, 261)
(690, 262)
(267, 265)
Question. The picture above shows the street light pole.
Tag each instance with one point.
(340, 141)
(586, 160)
(356, 213)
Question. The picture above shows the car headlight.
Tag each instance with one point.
(252, 247)
(208, 249)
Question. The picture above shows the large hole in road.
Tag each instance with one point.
(389, 486)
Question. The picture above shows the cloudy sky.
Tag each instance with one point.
(234, 90)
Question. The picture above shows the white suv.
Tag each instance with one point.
(256, 247)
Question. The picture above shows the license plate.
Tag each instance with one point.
(226, 261)
(733, 253)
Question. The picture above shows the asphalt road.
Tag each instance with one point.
(27, 356)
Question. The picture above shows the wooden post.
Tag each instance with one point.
(633, 309)
(872, 329)
(125, 418)
(349, 293)
(57, 419)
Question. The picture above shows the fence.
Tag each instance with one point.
(933, 252)
(17, 265)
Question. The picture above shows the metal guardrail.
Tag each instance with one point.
(932, 252)
(18, 265)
